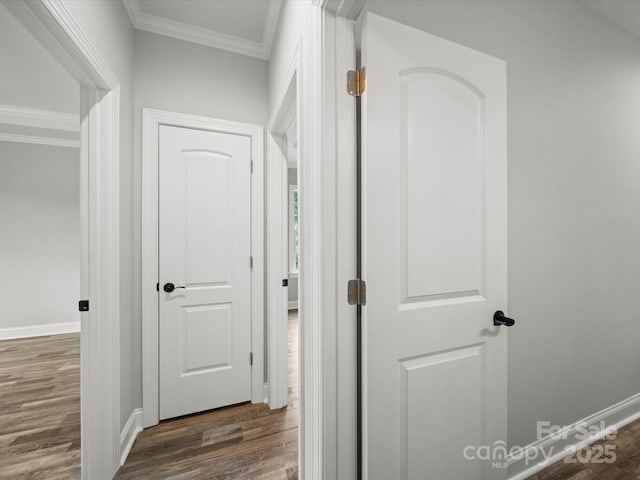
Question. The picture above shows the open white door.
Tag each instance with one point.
(277, 268)
(204, 270)
(434, 255)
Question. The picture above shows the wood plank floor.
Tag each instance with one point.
(625, 467)
(40, 408)
(238, 442)
(40, 428)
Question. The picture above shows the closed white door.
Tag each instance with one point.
(434, 256)
(204, 270)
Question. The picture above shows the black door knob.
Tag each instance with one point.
(500, 319)
(170, 287)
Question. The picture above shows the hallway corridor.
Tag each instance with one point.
(246, 441)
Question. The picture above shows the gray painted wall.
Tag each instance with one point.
(574, 191)
(39, 189)
(40, 240)
(187, 78)
(30, 76)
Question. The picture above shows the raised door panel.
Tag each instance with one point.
(206, 338)
(440, 392)
(209, 210)
(442, 120)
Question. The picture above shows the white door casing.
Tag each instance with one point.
(153, 121)
(285, 114)
(277, 271)
(434, 254)
(205, 247)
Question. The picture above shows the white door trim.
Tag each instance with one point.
(306, 65)
(328, 212)
(326, 136)
(303, 77)
(151, 120)
(284, 114)
(52, 25)
(339, 326)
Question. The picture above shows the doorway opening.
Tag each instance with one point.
(202, 306)
(284, 239)
(39, 322)
(231, 429)
(40, 259)
(95, 139)
(293, 262)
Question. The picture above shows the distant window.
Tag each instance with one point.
(294, 230)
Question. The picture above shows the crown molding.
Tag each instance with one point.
(30, 117)
(33, 118)
(204, 36)
(36, 140)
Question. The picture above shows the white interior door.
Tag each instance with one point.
(278, 271)
(434, 255)
(204, 251)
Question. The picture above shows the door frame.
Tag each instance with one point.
(51, 23)
(334, 39)
(326, 178)
(285, 112)
(151, 121)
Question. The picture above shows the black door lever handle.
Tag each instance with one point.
(170, 287)
(499, 319)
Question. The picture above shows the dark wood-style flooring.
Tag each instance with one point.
(238, 442)
(40, 408)
(625, 467)
(40, 428)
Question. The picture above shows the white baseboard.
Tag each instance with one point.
(293, 305)
(568, 440)
(129, 434)
(39, 330)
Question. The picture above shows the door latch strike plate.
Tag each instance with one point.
(357, 292)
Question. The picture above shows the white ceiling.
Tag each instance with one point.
(241, 26)
(624, 13)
